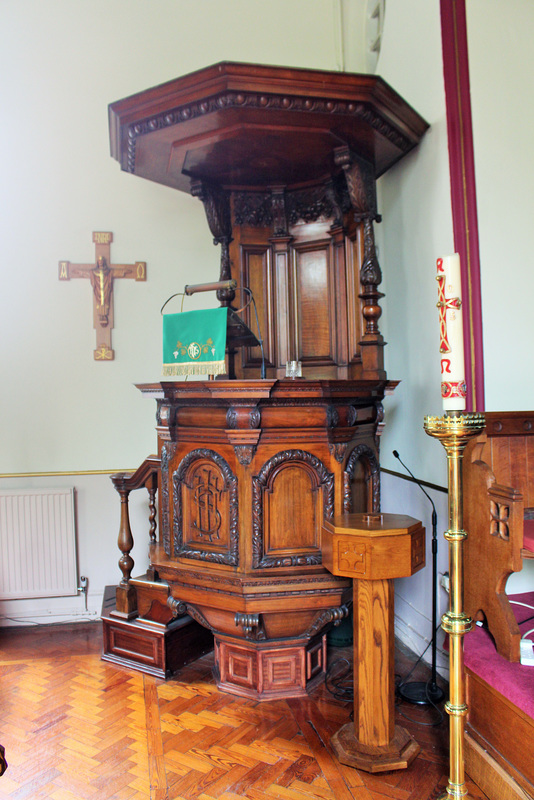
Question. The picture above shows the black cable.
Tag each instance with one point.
(340, 691)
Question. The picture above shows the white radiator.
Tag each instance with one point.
(37, 543)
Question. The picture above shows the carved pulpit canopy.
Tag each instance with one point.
(247, 125)
(285, 162)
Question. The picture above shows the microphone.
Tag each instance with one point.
(210, 287)
(434, 515)
(420, 692)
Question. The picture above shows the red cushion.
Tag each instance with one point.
(528, 534)
(513, 680)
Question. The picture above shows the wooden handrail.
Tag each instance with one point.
(145, 476)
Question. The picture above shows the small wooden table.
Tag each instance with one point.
(373, 549)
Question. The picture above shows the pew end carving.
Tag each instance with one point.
(499, 494)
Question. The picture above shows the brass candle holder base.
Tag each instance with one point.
(454, 432)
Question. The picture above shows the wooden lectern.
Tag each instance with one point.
(285, 163)
(373, 549)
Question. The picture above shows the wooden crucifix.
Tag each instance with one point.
(102, 274)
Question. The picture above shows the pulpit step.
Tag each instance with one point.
(154, 648)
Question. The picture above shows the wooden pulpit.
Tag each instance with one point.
(285, 163)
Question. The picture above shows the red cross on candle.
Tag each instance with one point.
(453, 387)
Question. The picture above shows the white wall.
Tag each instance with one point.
(502, 65)
(62, 62)
(502, 97)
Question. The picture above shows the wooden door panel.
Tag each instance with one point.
(314, 303)
(290, 511)
(292, 494)
(257, 275)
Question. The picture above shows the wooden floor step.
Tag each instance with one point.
(155, 648)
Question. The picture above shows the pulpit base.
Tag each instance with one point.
(269, 670)
(398, 754)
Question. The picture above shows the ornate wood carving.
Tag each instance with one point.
(334, 615)
(352, 416)
(253, 208)
(206, 509)
(360, 183)
(278, 200)
(167, 453)
(274, 102)
(379, 422)
(332, 417)
(216, 204)
(179, 609)
(281, 208)
(338, 450)
(243, 418)
(244, 453)
(372, 467)
(252, 626)
(317, 476)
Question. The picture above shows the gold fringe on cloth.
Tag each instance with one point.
(201, 368)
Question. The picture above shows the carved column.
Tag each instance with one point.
(281, 243)
(216, 204)
(359, 176)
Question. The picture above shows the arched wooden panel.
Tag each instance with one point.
(293, 493)
(361, 490)
(206, 509)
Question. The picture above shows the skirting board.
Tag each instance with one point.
(489, 775)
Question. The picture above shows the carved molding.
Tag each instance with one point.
(500, 520)
(260, 483)
(234, 99)
(237, 417)
(338, 450)
(253, 208)
(332, 417)
(281, 208)
(230, 485)
(244, 453)
(370, 273)
(167, 453)
(216, 202)
(380, 424)
(360, 183)
(252, 625)
(362, 452)
(231, 418)
(267, 583)
(334, 615)
(179, 608)
(352, 416)
(278, 200)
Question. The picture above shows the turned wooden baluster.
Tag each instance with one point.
(125, 482)
(152, 488)
(126, 596)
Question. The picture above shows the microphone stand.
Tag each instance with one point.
(421, 692)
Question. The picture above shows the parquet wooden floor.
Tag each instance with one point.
(77, 728)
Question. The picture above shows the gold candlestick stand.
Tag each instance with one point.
(454, 432)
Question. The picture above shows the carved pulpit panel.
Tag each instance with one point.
(293, 494)
(205, 509)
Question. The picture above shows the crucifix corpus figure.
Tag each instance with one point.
(101, 275)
